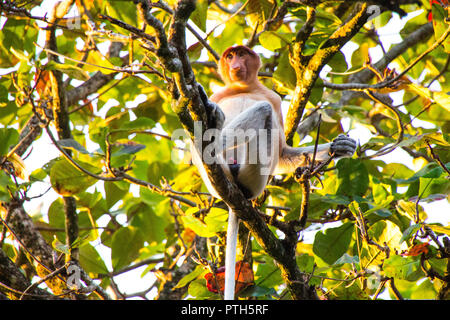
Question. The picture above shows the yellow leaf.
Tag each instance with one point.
(19, 166)
(440, 229)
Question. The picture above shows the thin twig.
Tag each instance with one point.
(387, 83)
(400, 130)
(436, 157)
(42, 280)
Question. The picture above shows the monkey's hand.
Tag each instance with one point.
(215, 115)
(343, 146)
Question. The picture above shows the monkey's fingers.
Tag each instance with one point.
(343, 146)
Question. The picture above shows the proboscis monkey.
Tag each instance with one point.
(251, 140)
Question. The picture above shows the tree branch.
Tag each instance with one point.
(388, 82)
(307, 69)
(61, 118)
(13, 282)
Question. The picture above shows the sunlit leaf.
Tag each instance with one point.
(125, 246)
(68, 180)
(199, 14)
(9, 137)
(273, 41)
(405, 268)
(440, 229)
(91, 261)
(412, 229)
(71, 70)
(189, 277)
(332, 243)
(214, 222)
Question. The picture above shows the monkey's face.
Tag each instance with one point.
(239, 64)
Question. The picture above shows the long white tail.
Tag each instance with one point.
(230, 255)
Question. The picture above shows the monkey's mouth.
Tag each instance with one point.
(237, 75)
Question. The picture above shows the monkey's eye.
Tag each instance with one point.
(242, 53)
(229, 56)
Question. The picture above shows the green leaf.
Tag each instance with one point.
(214, 222)
(409, 208)
(38, 175)
(432, 186)
(56, 218)
(258, 11)
(353, 177)
(268, 275)
(8, 137)
(140, 123)
(125, 246)
(60, 247)
(199, 14)
(194, 52)
(397, 171)
(91, 260)
(190, 277)
(338, 62)
(128, 148)
(272, 40)
(284, 76)
(114, 191)
(19, 54)
(385, 232)
(198, 290)
(73, 145)
(346, 258)
(145, 219)
(380, 209)
(404, 268)
(439, 23)
(324, 19)
(316, 92)
(424, 291)
(231, 35)
(257, 291)
(331, 244)
(407, 234)
(71, 70)
(67, 180)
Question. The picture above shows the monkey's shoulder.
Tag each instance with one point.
(226, 95)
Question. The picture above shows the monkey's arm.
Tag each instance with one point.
(292, 158)
(215, 115)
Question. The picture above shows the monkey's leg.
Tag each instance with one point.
(250, 145)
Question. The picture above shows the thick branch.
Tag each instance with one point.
(13, 278)
(307, 70)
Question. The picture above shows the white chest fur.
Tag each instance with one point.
(235, 105)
